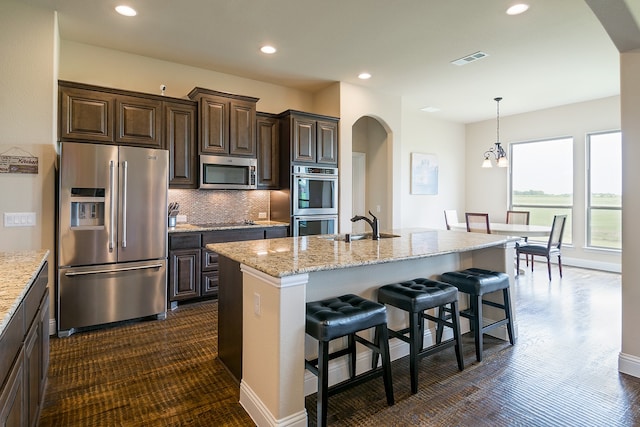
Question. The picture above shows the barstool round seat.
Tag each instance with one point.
(336, 317)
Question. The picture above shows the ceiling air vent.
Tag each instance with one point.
(469, 58)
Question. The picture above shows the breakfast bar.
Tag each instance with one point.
(269, 281)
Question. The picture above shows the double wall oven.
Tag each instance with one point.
(311, 204)
(314, 200)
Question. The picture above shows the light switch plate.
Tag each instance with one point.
(19, 219)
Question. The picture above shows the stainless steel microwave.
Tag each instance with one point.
(227, 173)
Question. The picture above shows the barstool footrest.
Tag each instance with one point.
(357, 380)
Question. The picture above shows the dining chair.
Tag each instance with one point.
(550, 249)
(518, 217)
(477, 222)
(450, 217)
(522, 218)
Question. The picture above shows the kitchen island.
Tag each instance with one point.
(269, 281)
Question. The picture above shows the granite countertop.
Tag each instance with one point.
(294, 255)
(187, 228)
(18, 270)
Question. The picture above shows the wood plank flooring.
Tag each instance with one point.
(561, 372)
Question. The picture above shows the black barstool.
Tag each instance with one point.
(415, 296)
(344, 316)
(477, 282)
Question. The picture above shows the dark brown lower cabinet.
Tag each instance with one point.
(193, 269)
(24, 357)
(184, 279)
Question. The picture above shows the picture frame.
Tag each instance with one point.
(424, 174)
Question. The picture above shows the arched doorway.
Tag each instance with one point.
(371, 163)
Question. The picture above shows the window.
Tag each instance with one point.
(542, 180)
(604, 197)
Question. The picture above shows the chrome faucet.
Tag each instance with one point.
(373, 222)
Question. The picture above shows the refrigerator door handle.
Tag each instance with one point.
(112, 218)
(117, 270)
(124, 203)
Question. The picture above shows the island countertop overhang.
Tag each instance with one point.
(297, 255)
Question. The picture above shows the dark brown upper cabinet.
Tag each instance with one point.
(139, 121)
(180, 139)
(267, 134)
(227, 123)
(308, 138)
(102, 115)
(85, 114)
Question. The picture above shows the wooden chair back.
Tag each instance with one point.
(518, 217)
(477, 222)
(557, 231)
(450, 217)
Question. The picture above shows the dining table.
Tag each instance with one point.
(521, 230)
(518, 230)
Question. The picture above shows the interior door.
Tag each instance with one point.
(142, 209)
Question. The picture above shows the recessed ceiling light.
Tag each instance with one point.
(268, 49)
(430, 109)
(364, 76)
(126, 10)
(517, 9)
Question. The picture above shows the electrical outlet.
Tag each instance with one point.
(19, 219)
(181, 218)
(262, 215)
(377, 208)
(257, 309)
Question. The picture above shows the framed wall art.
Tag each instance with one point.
(424, 173)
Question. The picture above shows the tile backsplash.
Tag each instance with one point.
(221, 206)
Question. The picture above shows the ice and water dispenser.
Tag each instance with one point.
(87, 208)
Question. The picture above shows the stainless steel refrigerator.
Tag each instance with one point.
(112, 234)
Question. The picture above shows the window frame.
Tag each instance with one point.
(569, 207)
(588, 202)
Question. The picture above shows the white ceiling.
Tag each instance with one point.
(554, 54)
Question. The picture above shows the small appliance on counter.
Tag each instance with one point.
(112, 234)
(172, 213)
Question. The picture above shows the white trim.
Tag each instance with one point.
(262, 416)
(52, 326)
(612, 267)
(277, 282)
(628, 364)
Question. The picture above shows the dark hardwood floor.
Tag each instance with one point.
(561, 372)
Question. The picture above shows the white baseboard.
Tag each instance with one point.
(628, 364)
(590, 264)
(261, 415)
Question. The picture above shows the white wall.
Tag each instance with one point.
(110, 68)
(487, 189)
(423, 134)
(26, 121)
(630, 354)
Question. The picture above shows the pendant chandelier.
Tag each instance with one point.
(496, 151)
